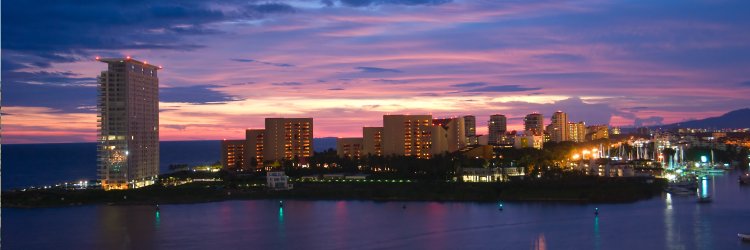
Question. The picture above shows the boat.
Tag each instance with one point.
(706, 199)
(745, 179)
(744, 237)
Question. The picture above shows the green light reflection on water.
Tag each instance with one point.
(597, 236)
(157, 220)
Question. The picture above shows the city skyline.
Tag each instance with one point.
(347, 63)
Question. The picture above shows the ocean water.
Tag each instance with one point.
(666, 222)
(25, 165)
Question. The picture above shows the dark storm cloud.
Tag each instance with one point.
(361, 3)
(67, 99)
(60, 79)
(174, 126)
(286, 84)
(649, 121)
(271, 8)
(377, 70)
(577, 109)
(197, 94)
(469, 84)
(501, 88)
(635, 108)
(561, 57)
(67, 27)
(564, 76)
(262, 62)
(65, 91)
(391, 81)
(48, 32)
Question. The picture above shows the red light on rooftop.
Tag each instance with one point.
(127, 57)
(97, 58)
(145, 62)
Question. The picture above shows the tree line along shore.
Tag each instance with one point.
(570, 188)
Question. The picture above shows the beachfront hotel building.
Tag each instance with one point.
(372, 141)
(349, 147)
(288, 139)
(470, 127)
(577, 131)
(533, 124)
(449, 135)
(528, 141)
(496, 128)
(597, 132)
(128, 124)
(407, 135)
(233, 154)
(558, 128)
(254, 149)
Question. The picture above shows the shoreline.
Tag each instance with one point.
(580, 191)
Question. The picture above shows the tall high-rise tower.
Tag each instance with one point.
(497, 127)
(470, 128)
(559, 127)
(128, 105)
(533, 124)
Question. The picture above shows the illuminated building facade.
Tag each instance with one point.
(597, 132)
(288, 139)
(616, 131)
(372, 141)
(533, 124)
(254, 149)
(233, 154)
(470, 127)
(529, 141)
(558, 129)
(496, 128)
(349, 147)
(408, 135)
(128, 124)
(577, 131)
(452, 137)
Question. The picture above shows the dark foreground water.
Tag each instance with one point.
(667, 222)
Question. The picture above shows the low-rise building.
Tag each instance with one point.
(529, 141)
(233, 154)
(349, 147)
(277, 180)
(481, 175)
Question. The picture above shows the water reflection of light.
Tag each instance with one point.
(281, 215)
(701, 229)
(669, 201)
(157, 220)
(540, 243)
(673, 240)
(597, 235)
(704, 187)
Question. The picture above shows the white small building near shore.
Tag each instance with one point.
(277, 180)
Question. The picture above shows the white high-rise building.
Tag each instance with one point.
(558, 129)
(128, 142)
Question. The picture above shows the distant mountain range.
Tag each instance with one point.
(734, 119)
(324, 143)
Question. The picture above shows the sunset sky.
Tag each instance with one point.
(346, 63)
